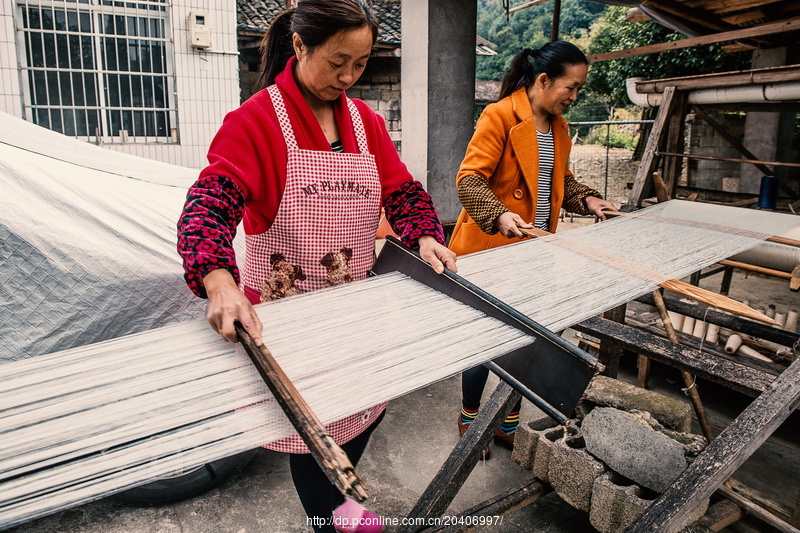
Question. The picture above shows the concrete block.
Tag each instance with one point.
(544, 447)
(527, 437)
(617, 502)
(730, 184)
(628, 445)
(572, 472)
(608, 392)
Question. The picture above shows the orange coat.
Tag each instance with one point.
(505, 151)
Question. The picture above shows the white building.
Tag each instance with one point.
(122, 74)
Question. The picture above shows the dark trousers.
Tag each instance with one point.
(317, 494)
(473, 382)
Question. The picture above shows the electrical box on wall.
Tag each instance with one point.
(199, 30)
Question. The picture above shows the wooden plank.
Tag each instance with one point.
(729, 6)
(610, 352)
(757, 511)
(734, 35)
(725, 372)
(748, 327)
(720, 515)
(675, 143)
(462, 460)
(782, 511)
(722, 457)
(723, 79)
(487, 514)
(649, 160)
(701, 17)
(734, 159)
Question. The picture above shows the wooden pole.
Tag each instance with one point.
(654, 141)
(688, 379)
(330, 457)
(731, 448)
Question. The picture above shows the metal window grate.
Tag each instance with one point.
(98, 69)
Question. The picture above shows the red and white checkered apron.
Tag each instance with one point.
(331, 201)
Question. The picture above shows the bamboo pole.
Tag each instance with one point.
(330, 457)
(688, 379)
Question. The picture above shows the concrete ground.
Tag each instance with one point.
(410, 445)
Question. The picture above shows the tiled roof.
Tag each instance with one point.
(487, 91)
(258, 14)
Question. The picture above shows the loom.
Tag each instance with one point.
(87, 422)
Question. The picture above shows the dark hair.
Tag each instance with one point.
(315, 21)
(551, 59)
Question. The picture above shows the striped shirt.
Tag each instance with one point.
(546, 158)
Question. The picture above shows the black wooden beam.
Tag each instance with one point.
(735, 376)
(722, 457)
(462, 460)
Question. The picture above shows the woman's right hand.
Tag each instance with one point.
(509, 223)
(226, 304)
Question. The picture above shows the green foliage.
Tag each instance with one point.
(612, 136)
(612, 32)
(528, 28)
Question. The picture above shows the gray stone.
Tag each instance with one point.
(628, 445)
(526, 440)
(617, 502)
(572, 472)
(608, 392)
(544, 447)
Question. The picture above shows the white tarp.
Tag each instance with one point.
(87, 242)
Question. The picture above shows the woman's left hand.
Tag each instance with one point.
(598, 205)
(437, 255)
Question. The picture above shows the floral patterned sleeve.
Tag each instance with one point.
(214, 207)
(410, 211)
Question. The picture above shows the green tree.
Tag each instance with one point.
(528, 28)
(612, 32)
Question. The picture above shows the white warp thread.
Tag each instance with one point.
(87, 422)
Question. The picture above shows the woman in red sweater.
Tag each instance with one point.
(307, 170)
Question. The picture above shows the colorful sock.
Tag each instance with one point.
(511, 422)
(468, 415)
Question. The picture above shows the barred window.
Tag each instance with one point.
(98, 69)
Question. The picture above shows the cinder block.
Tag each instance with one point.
(544, 447)
(526, 440)
(628, 445)
(572, 472)
(617, 502)
(671, 413)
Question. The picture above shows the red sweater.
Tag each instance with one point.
(246, 177)
(249, 148)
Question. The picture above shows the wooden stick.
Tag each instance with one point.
(756, 268)
(756, 510)
(330, 457)
(662, 191)
(696, 293)
(716, 300)
(784, 240)
(742, 437)
(688, 379)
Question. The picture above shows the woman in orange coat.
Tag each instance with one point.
(514, 175)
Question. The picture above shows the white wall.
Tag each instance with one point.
(207, 82)
(10, 99)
